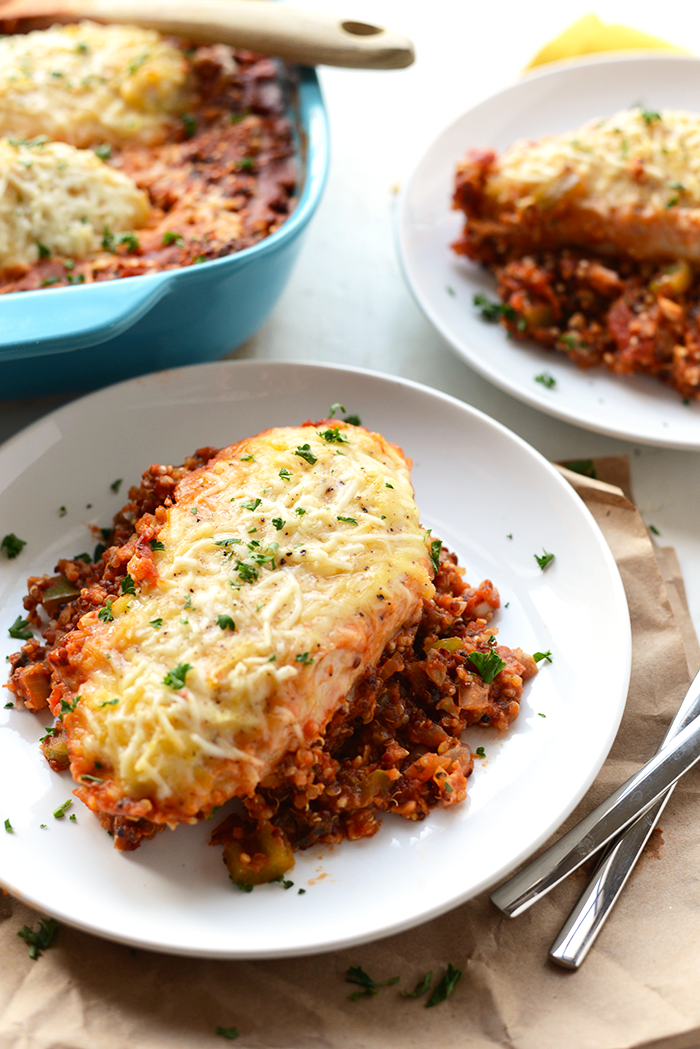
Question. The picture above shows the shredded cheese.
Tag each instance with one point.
(308, 540)
(87, 84)
(58, 199)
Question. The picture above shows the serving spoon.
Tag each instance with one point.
(307, 37)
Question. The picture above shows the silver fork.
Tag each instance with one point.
(638, 802)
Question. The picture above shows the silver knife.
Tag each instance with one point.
(596, 830)
(581, 928)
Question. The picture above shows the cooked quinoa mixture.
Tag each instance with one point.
(397, 748)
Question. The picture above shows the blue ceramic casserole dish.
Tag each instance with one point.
(77, 338)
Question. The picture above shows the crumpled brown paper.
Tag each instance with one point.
(639, 987)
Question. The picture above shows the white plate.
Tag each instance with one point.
(476, 484)
(636, 407)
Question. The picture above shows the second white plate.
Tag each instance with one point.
(491, 498)
(556, 100)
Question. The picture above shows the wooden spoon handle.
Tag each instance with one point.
(308, 37)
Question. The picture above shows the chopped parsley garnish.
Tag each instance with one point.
(248, 459)
(300, 511)
(278, 523)
(175, 678)
(156, 544)
(127, 585)
(131, 241)
(116, 485)
(82, 557)
(245, 163)
(107, 244)
(487, 665)
(82, 48)
(246, 573)
(93, 779)
(105, 614)
(304, 658)
(12, 545)
(547, 380)
(103, 151)
(584, 467)
(20, 629)
(62, 511)
(571, 341)
(333, 436)
(304, 452)
(252, 504)
(649, 116)
(285, 474)
(198, 258)
(357, 975)
(348, 520)
(9, 706)
(545, 560)
(137, 63)
(44, 252)
(9, 828)
(654, 530)
(68, 708)
(242, 886)
(60, 812)
(73, 818)
(539, 656)
(387, 485)
(227, 1032)
(170, 237)
(352, 420)
(225, 622)
(108, 703)
(156, 622)
(53, 279)
(421, 988)
(480, 752)
(446, 986)
(335, 408)
(189, 123)
(40, 939)
(493, 311)
(435, 548)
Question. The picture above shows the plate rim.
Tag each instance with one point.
(75, 407)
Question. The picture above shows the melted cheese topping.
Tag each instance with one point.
(86, 84)
(635, 160)
(58, 199)
(288, 563)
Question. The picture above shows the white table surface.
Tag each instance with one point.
(347, 301)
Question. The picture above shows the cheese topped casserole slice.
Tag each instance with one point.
(88, 84)
(626, 185)
(251, 607)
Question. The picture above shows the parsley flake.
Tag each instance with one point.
(9, 828)
(547, 380)
(227, 1032)
(545, 560)
(649, 116)
(335, 408)
(156, 622)
(285, 474)
(225, 622)
(446, 986)
(278, 523)
(103, 151)
(493, 311)
(12, 545)
(20, 629)
(252, 504)
(116, 485)
(480, 752)
(357, 975)
(175, 678)
(333, 436)
(539, 656)
(127, 585)
(300, 511)
(435, 548)
(68, 708)
(304, 452)
(487, 665)
(105, 614)
(348, 520)
(169, 237)
(60, 812)
(40, 938)
(304, 658)
(156, 544)
(421, 988)
(92, 779)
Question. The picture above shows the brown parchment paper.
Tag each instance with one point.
(639, 987)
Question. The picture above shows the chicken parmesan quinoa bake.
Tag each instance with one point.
(123, 152)
(268, 623)
(593, 237)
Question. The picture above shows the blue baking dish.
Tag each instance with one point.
(81, 337)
